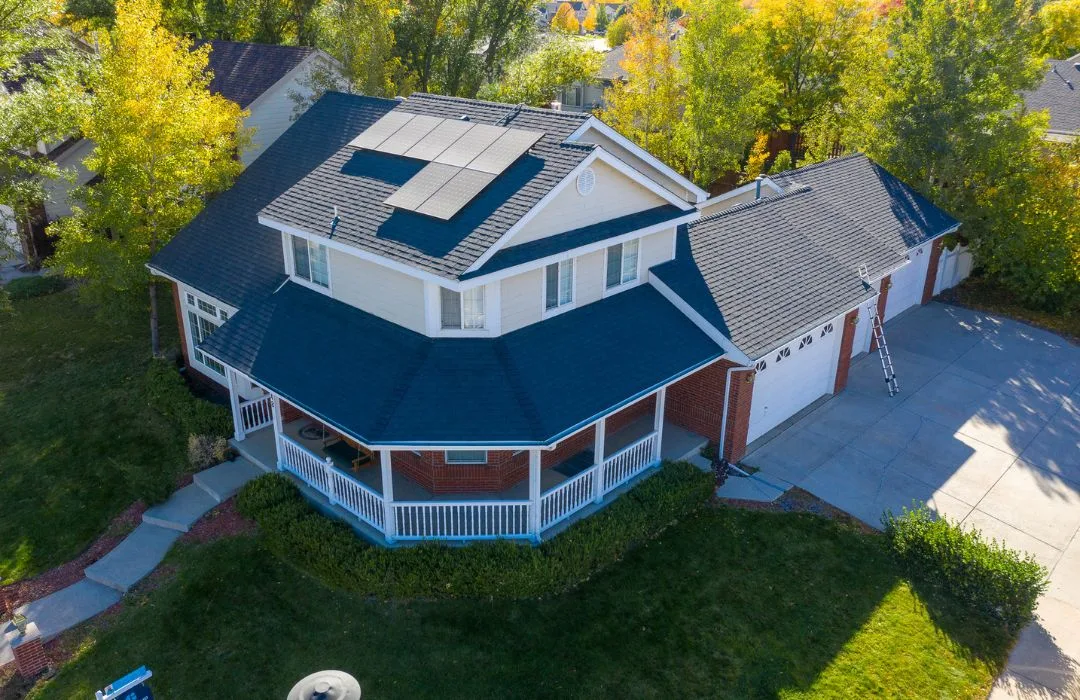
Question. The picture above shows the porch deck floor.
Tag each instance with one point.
(259, 447)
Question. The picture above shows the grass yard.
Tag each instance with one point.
(78, 438)
(730, 603)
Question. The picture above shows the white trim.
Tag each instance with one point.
(742, 189)
(594, 123)
(310, 284)
(642, 179)
(547, 313)
(698, 320)
(446, 457)
(639, 279)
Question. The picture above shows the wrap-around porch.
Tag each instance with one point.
(422, 494)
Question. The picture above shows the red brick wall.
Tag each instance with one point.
(430, 470)
(738, 420)
(565, 449)
(931, 270)
(886, 282)
(847, 340)
(30, 654)
(628, 415)
(290, 413)
(696, 402)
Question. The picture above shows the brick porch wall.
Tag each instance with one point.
(429, 469)
(738, 420)
(628, 415)
(883, 298)
(931, 271)
(843, 363)
(696, 402)
(569, 447)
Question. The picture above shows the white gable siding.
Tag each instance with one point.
(271, 113)
(590, 277)
(655, 249)
(386, 293)
(522, 300)
(614, 195)
(624, 154)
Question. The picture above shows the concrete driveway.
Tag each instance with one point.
(986, 430)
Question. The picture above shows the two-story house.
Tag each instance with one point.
(456, 319)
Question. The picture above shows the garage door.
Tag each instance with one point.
(793, 377)
(908, 282)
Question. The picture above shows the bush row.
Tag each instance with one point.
(170, 395)
(37, 286)
(984, 575)
(333, 553)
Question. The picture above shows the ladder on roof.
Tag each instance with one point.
(883, 349)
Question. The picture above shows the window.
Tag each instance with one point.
(190, 299)
(622, 263)
(466, 456)
(207, 307)
(309, 261)
(202, 328)
(558, 284)
(462, 310)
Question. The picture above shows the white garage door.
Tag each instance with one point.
(793, 377)
(908, 282)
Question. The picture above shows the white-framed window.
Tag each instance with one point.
(466, 457)
(202, 328)
(558, 284)
(622, 263)
(462, 310)
(310, 261)
(206, 307)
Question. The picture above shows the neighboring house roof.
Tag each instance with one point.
(357, 182)
(563, 242)
(766, 271)
(612, 70)
(1059, 94)
(385, 384)
(224, 251)
(244, 71)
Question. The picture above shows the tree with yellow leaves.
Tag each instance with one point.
(163, 143)
(565, 20)
(589, 23)
(1060, 24)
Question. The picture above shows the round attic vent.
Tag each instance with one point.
(586, 180)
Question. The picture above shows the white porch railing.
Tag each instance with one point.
(461, 520)
(258, 413)
(562, 501)
(630, 461)
(340, 488)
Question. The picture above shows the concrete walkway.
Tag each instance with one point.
(109, 578)
(986, 430)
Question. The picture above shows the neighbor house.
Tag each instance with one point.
(454, 319)
(1059, 95)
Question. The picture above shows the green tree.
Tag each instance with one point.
(618, 31)
(359, 34)
(726, 101)
(537, 78)
(1059, 22)
(163, 142)
(565, 20)
(601, 18)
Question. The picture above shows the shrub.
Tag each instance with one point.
(331, 551)
(171, 396)
(618, 31)
(206, 451)
(37, 286)
(984, 575)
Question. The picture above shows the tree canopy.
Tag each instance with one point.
(536, 79)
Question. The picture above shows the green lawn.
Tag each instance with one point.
(76, 431)
(728, 604)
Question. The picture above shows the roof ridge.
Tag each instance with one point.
(827, 161)
(571, 116)
(743, 206)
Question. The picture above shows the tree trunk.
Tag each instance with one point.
(155, 340)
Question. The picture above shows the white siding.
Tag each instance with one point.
(656, 248)
(522, 301)
(614, 195)
(590, 271)
(624, 154)
(386, 293)
(58, 201)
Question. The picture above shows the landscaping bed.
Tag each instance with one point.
(983, 294)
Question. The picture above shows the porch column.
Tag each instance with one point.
(599, 432)
(389, 524)
(534, 493)
(658, 420)
(234, 403)
(278, 430)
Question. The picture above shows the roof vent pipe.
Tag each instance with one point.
(757, 186)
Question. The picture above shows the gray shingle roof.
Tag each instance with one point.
(243, 71)
(357, 182)
(873, 198)
(386, 384)
(1059, 93)
(224, 251)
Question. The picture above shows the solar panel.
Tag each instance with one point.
(408, 135)
(470, 145)
(439, 139)
(421, 186)
(507, 148)
(381, 130)
(455, 194)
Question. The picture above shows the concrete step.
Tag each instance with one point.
(259, 460)
(134, 558)
(60, 611)
(224, 480)
(181, 510)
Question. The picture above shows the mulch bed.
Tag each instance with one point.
(222, 521)
(795, 500)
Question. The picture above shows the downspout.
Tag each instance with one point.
(723, 419)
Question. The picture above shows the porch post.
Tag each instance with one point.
(599, 433)
(534, 493)
(389, 524)
(658, 420)
(234, 403)
(279, 428)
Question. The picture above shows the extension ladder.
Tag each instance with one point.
(883, 350)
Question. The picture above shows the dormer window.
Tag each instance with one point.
(622, 263)
(462, 310)
(310, 261)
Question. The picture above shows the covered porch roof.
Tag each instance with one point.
(386, 385)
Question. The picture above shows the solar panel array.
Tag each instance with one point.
(463, 158)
